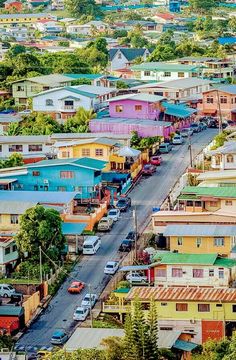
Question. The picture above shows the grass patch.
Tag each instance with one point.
(108, 322)
(20, 281)
(67, 268)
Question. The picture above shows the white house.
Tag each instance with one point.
(20, 34)
(165, 71)
(123, 57)
(224, 158)
(48, 26)
(62, 103)
(8, 253)
(85, 29)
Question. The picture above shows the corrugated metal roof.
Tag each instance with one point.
(182, 293)
(177, 258)
(166, 339)
(33, 197)
(221, 192)
(102, 141)
(15, 207)
(82, 162)
(7, 310)
(162, 66)
(134, 267)
(212, 175)
(138, 97)
(224, 262)
(178, 110)
(73, 228)
(184, 345)
(200, 230)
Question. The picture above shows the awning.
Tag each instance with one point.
(128, 152)
(209, 111)
(134, 268)
(73, 228)
(7, 181)
(184, 345)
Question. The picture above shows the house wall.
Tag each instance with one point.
(160, 75)
(148, 110)
(5, 153)
(215, 97)
(6, 224)
(189, 245)
(224, 162)
(7, 258)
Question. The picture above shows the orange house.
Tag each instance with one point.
(221, 99)
(13, 5)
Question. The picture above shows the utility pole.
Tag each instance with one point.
(190, 150)
(90, 307)
(135, 231)
(219, 110)
(40, 265)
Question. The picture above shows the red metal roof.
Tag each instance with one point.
(165, 16)
(183, 293)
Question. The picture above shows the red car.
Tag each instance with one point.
(156, 160)
(148, 170)
(76, 287)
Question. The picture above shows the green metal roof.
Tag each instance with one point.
(224, 262)
(122, 291)
(184, 345)
(221, 192)
(200, 259)
(92, 163)
(187, 197)
(158, 66)
(85, 76)
(83, 162)
(8, 310)
(80, 92)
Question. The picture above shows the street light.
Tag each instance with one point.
(190, 150)
(135, 231)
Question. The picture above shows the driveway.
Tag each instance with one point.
(148, 193)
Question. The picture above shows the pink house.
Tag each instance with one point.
(136, 106)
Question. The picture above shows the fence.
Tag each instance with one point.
(30, 305)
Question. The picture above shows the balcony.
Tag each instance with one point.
(67, 108)
(115, 308)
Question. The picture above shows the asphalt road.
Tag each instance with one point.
(149, 192)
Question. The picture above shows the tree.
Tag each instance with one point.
(24, 63)
(151, 344)
(14, 160)
(81, 7)
(79, 122)
(232, 23)
(203, 6)
(40, 227)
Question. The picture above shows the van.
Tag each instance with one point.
(91, 245)
(165, 148)
(6, 290)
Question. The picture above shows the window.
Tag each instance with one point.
(49, 102)
(14, 219)
(163, 304)
(221, 273)
(181, 307)
(147, 73)
(119, 108)
(213, 203)
(85, 152)
(35, 147)
(20, 88)
(229, 158)
(223, 99)
(234, 308)
(203, 307)
(209, 100)
(161, 273)
(218, 305)
(198, 273)
(138, 108)
(69, 104)
(177, 272)
(0, 148)
(219, 241)
(7, 250)
(145, 306)
(67, 174)
(36, 187)
(181, 74)
(99, 152)
(15, 148)
(35, 173)
(211, 272)
(167, 73)
(65, 154)
(119, 56)
(228, 202)
(14, 248)
(179, 241)
(198, 242)
(61, 188)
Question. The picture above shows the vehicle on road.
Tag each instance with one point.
(126, 245)
(131, 236)
(177, 140)
(105, 224)
(156, 160)
(114, 214)
(135, 277)
(186, 132)
(25, 112)
(86, 302)
(123, 203)
(203, 125)
(213, 124)
(81, 313)
(195, 127)
(165, 148)
(76, 287)
(148, 170)
(111, 267)
(91, 245)
(6, 290)
(59, 337)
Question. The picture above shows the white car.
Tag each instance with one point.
(25, 112)
(135, 277)
(111, 267)
(177, 140)
(80, 313)
(86, 300)
(114, 214)
(186, 132)
(6, 290)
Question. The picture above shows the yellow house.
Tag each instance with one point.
(201, 239)
(9, 19)
(120, 159)
(10, 212)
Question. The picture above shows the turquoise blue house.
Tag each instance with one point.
(71, 175)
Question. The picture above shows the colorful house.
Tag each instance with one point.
(201, 239)
(8, 253)
(224, 157)
(9, 19)
(13, 5)
(121, 58)
(218, 178)
(172, 269)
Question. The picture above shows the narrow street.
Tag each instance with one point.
(148, 193)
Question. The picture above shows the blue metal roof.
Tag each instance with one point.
(178, 110)
(184, 345)
(73, 228)
(227, 40)
(40, 197)
(134, 268)
(85, 76)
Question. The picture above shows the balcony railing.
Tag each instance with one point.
(116, 308)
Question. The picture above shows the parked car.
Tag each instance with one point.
(148, 170)
(111, 267)
(25, 112)
(131, 236)
(59, 337)
(135, 277)
(76, 287)
(123, 203)
(126, 245)
(186, 132)
(203, 125)
(6, 290)
(81, 313)
(86, 302)
(114, 214)
(156, 160)
(195, 127)
(165, 148)
(105, 224)
(177, 140)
